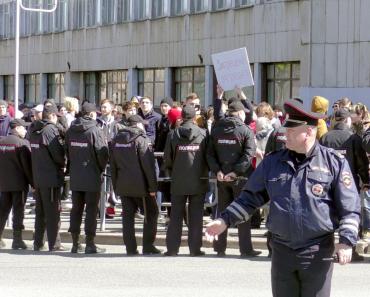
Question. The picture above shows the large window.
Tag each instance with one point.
(9, 87)
(219, 4)
(7, 20)
(151, 84)
(56, 87)
(177, 7)
(157, 8)
(91, 87)
(140, 7)
(123, 10)
(283, 81)
(32, 88)
(190, 80)
(241, 3)
(198, 5)
(107, 12)
(113, 85)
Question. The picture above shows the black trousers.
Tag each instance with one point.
(129, 207)
(48, 209)
(227, 193)
(195, 222)
(79, 200)
(17, 201)
(305, 272)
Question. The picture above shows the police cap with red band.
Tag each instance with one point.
(298, 116)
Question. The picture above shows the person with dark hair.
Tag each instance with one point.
(87, 153)
(231, 148)
(185, 158)
(15, 178)
(48, 163)
(151, 118)
(312, 194)
(134, 180)
(4, 119)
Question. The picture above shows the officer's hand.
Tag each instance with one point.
(152, 194)
(344, 253)
(220, 92)
(230, 176)
(220, 176)
(214, 228)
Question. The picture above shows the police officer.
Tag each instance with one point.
(185, 158)
(87, 153)
(15, 178)
(48, 163)
(311, 193)
(230, 151)
(134, 180)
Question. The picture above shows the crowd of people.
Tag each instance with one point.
(228, 141)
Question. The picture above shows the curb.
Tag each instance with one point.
(106, 238)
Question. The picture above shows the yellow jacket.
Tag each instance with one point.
(320, 105)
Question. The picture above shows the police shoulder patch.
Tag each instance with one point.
(346, 178)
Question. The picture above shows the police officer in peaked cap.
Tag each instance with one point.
(312, 194)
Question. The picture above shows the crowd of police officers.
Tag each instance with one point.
(41, 154)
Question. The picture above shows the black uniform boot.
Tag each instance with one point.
(18, 243)
(76, 247)
(91, 248)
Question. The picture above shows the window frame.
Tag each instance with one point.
(111, 84)
(58, 85)
(154, 82)
(35, 82)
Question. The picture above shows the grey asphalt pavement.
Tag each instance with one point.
(31, 274)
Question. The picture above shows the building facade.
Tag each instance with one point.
(96, 49)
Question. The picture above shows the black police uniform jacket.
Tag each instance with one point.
(309, 198)
(16, 167)
(132, 163)
(231, 147)
(349, 144)
(48, 156)
(185, 158)
(87, 153)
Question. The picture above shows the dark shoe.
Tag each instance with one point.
(221, 254)
(152, 251)
(77, 249)
(269, 255)
(134, 253)
(18, 243)
(250, 254)
(170, 254)
(356, 257)
(197, 254)
(59, 248)
(91, 248)
(39, 248)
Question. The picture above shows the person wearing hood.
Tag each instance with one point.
(230, 152)
(87, 153)
(15, 178)
(134, 180)
(48, 163)
(185, 158)
(320, 105)
(4, 119)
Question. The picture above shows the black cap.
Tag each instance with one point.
(134, 119)
(88, 107)
(18, 122)
(188, 112)
(298, 116)
(167, 100)
(236, 106)
(342, 114)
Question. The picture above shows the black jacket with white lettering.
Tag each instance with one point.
(132, 163)
(231, 147)
(87, 153)
(185, 157)
(48, 158)
(15, 160)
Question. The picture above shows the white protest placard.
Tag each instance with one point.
(232, 69)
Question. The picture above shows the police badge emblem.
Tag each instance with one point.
(346, 179)
(317, 189)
